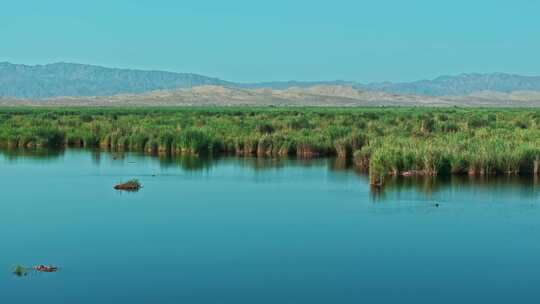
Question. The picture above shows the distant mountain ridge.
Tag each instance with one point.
(283, 85)
(71, 79)
(463, 84)
(80, 80)
(459, 85)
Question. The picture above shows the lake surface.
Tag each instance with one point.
(238, 230)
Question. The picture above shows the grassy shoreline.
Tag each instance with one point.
(384, 141)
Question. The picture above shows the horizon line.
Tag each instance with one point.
(271, 81)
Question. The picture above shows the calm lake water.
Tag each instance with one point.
(260, 231)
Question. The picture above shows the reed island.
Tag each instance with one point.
(382, 141)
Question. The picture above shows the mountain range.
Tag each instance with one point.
(70, 79)
(79, 80)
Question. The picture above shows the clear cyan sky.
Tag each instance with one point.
(250, 40)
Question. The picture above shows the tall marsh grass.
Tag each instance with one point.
(385, 141)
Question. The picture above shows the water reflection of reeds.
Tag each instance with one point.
(35, 153)
(187, 163)
(524, 186)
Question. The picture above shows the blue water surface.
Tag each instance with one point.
(241, 230)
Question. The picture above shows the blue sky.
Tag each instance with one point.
(243, 40)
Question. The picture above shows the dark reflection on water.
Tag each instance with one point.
(526, 186)
(188, 163)
(38, 153)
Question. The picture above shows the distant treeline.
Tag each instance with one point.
(385, 141)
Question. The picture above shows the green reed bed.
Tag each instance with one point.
(383, 141)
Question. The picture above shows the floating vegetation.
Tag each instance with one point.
(22, 271)
(131, 185)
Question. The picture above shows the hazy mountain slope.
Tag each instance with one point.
(459, 85)
(463, 84)
(68, 79)
(282, 85)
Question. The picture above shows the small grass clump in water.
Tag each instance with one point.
(131, 185)
(20, 271)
